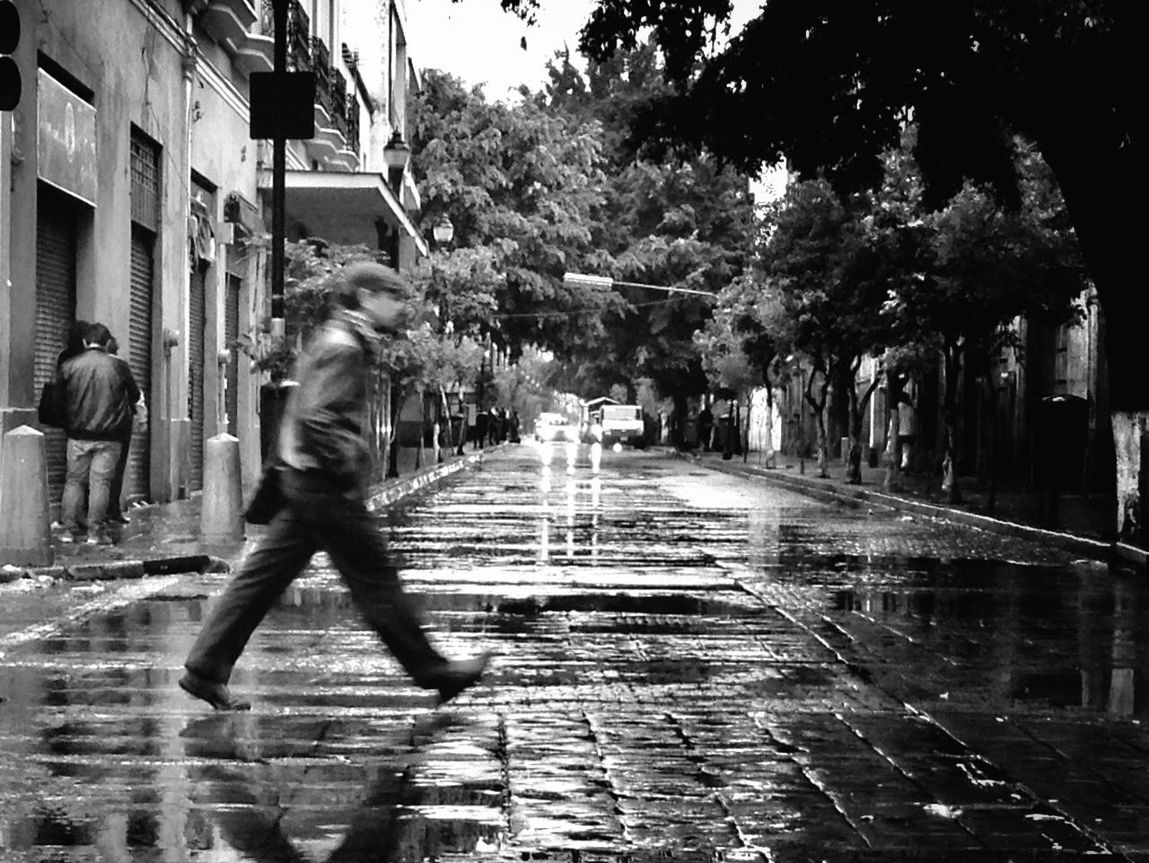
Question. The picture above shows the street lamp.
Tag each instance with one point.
(605, 283)
(396, 154)
(443, 231)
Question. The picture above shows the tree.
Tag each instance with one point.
(829, 87)
(738, 349)
(976, 266)
(672, 223)
(821, 272)
(519, 185)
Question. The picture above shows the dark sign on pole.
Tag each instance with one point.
(282, 105)
(10, 84)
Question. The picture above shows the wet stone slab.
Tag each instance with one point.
(691, 667)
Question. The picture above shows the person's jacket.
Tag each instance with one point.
(325, 422)
(97, 393)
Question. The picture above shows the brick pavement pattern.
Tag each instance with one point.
(692, 667)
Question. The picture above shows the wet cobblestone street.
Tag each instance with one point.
(692, 666)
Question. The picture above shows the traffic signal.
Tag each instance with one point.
(9, 72)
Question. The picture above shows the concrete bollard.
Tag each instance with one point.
(25, 528)
(221, 511)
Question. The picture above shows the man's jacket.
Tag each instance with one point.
(325, 422)
(97, 393)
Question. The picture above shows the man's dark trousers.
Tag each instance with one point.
(316, 517)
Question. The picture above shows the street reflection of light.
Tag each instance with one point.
(544, 538)
(572, 455)
(546, 452)
(595, 504)
(572, 502)
(595, 456)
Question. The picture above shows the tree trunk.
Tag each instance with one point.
(892, 481)
(857, 413)
(1106, 218)
(1129, 431)
(994, 445)
(422, 431)
(949, 411)
(769, 456)
(819, 406)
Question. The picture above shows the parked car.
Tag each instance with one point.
(554, 426)
(622, 424)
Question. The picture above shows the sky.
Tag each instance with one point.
(478, 42)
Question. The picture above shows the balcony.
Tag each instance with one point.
(298, 34)
(228, 21)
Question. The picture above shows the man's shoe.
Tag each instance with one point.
(119, 518)
(459, 674)
(215, 694)
(100, 537)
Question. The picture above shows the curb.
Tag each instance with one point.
(420, 481)
(1111, 552)
(199, 563)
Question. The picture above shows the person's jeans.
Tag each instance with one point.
(91, 465)
(115, 508)
(316, 517)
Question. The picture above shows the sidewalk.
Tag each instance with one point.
(1082, 523)
(165, 538)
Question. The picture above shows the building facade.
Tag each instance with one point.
(132, 194)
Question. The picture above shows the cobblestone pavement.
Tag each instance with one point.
(693, 666)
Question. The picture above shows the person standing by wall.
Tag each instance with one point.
(323, 473)
(97, 393)
(137, 421)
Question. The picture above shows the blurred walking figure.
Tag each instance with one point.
(96, 394)
(323, 476)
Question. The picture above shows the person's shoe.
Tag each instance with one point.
(215, 694)
(459, 674)
(119, 518)
(100, 537)
(67, 538)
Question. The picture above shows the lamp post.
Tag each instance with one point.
(396, 155)
(606, 283)
(443, 232)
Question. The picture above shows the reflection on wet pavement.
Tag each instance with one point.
(691, 667)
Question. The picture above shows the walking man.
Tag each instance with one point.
(323, 447)
(97, 394)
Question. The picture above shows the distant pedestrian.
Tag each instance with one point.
(482, 421)
(705, 427)
(513, 427)
(907, 426)
(97, 395)
(324, 454)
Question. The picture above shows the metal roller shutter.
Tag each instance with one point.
(198, 321)
(55, 309)
(231, 333)
(137, 483)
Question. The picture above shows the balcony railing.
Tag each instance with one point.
(298, 33)
(352, 134)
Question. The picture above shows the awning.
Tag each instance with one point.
(344, 207)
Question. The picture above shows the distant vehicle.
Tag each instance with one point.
(554, 426)
(621, 424)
